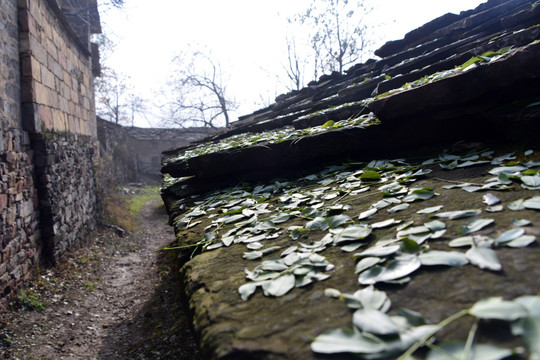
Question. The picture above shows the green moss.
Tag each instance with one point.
(30, 300)
(146, 194)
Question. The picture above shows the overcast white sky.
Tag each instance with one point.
(246, 36)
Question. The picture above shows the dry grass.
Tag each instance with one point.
(122, 206)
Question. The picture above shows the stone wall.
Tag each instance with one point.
(57, 80)
(133, 154)
(65, 179)
(48, 143)
(148, 144)
(117, 163)
(19, 233)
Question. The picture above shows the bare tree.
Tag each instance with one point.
(115, 100)
(338, 36)
(295, 65)
(111, 91)
(197, 92)
(136, 105)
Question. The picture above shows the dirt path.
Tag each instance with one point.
(114, 299)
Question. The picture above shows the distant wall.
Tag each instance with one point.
(118, 165)
(148, 144)
(132, 154)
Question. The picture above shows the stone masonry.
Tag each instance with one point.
(48, 142)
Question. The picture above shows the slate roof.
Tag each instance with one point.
(455, 104)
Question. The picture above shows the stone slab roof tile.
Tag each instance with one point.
(477, 83)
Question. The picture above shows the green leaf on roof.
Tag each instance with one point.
(409, 246)
(484, 258)
(516, 205)
(449, 258)
(521, 222)
(398, 268)
(280, 285)
(375, 322)
(366, 263)
(475, 225)
(347, 341)
(370, 175)
(522, 241)
(532, 203)
(328, 124)
(430, 210)
(509, 235)
(499, 309)
(351, 233)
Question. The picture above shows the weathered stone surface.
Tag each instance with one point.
(493, 105)
(415, 36)
(42, 65)
(283, 328)
(468, 93)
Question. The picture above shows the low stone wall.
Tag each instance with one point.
(65, 173)
(118, 165)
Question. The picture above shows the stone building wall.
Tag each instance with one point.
(66, 184)
(48, 142)
(58, 111)
(57, 80)
(19, 231)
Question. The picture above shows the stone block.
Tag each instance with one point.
(27, 208)
(45, 116)
(51, 49)
(63, 104)
(3, 268)
(52, 98)
(47, 77)
(40, 92)
(11, 157)
(55, 67)
(38, 50)
(65, 90)
(3, 202)
(26, 68)
(59, 123)
(62, 59)
(74, 96)
(4, 281)
(17, 273)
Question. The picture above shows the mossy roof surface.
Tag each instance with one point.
(236, 231)
(412, 179)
